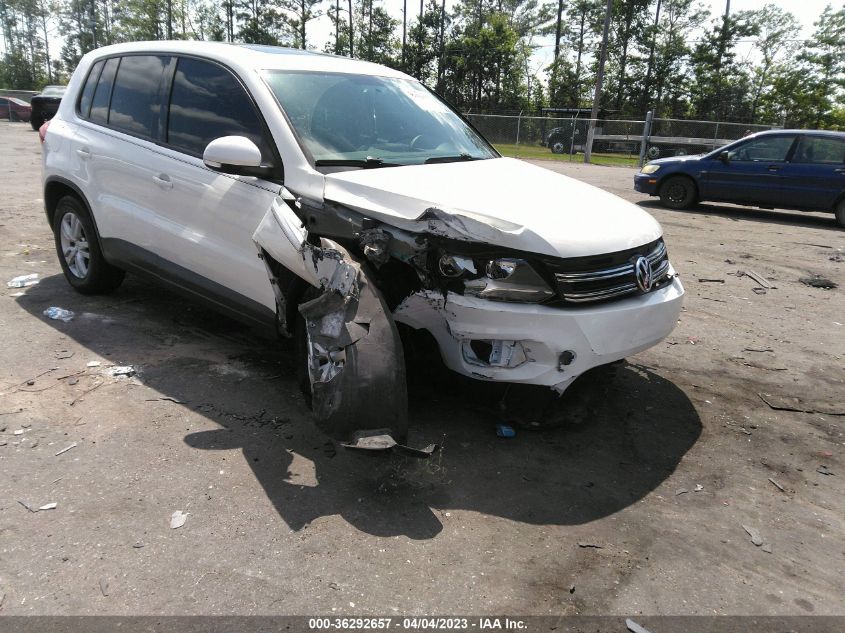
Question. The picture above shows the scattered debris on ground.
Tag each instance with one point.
(93, 363)
(711, 281)
(58, 314)
(754, 534)
(66, 449)
(817, 281)
(586, 545)
(762, 282)
(824, 470)
(381, 440)
(122, 370)
(177, 519)
(634, 627)
(777, 485)
(503, 430)
(47, 506)
(793, 403)
(104, 586)
(23, 281)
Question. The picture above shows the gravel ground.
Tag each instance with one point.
(637, 506)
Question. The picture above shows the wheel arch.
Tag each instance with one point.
(56, 188)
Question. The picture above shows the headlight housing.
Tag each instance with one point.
(498, 279)
(650, 168)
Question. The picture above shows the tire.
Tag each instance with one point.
(557, 146)
(839, 211)
(678, 192)
(653, 152)
(370, 389)
(84, 266)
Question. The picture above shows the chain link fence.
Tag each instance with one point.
(621, 142)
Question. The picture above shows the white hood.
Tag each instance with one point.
(502, 201)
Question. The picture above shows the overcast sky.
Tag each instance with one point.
(807, 11)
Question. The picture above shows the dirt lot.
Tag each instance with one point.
(676, 454)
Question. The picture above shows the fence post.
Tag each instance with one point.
(518, 123)
(649, 117)
(572, 139)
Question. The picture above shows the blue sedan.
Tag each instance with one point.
(788, 169)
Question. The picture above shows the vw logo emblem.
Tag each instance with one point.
(642, 272)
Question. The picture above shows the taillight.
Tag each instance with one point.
(42, 131)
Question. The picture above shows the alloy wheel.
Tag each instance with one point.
(75, 245)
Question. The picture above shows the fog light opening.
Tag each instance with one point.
(566, 358)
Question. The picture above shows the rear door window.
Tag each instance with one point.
(819, 150)
(87, 95)
(207, 102)
(135, 98)
(102, 95)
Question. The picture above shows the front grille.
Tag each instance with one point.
(588, 279)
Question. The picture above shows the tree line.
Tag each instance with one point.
(670, 56)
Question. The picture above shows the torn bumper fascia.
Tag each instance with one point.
(597, 334)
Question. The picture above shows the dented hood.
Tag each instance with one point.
(501, 201)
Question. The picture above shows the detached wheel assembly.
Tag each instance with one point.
(352, 369)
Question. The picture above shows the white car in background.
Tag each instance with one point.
(336, 199)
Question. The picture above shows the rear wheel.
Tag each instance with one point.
(840, 213)
(78, 248)
(678, 192)
(557, 146)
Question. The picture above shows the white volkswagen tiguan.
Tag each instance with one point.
(335, 199)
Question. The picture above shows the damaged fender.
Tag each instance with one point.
(349, 344)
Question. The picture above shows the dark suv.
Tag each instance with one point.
(788, 169)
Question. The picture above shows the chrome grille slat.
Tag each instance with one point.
(614, 282)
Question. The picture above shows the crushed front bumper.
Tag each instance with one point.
(537, 344)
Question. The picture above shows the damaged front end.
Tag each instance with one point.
(497, 313)
(349, 346)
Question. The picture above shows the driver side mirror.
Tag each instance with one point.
(236, 155)
(725, 157)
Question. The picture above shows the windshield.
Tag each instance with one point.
(374, 121)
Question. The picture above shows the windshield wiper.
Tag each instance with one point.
(369, 162)
(450, 159)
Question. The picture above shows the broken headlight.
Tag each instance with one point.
(509, 279)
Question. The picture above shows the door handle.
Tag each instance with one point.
(840, 170)
(774, 167)
(84, 153)
(163, 181)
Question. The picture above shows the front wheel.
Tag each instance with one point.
(351, 363)
(840, 213)
(678, 192)
(78, 248)
(557, 147)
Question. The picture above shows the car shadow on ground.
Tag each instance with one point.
(624, 431)
(814, 220)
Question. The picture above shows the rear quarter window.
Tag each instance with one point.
(87, 94)
(102, 94)
(135, 97)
